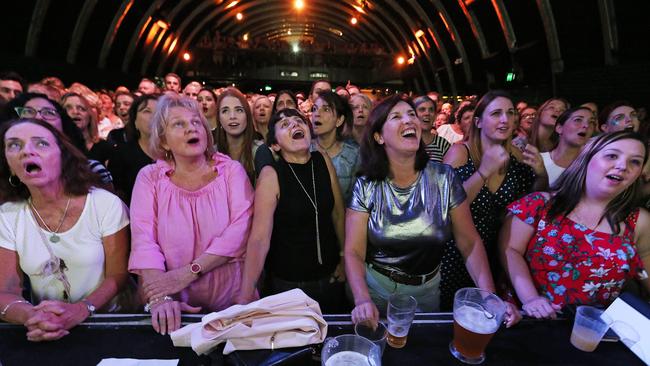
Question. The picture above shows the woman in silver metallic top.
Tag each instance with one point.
(403, 210)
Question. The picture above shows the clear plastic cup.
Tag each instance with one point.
(377, 336)
(400, 314)
(588, 328)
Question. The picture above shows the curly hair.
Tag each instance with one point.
(77, 180)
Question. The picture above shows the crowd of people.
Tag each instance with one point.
(227, 52)
(172, 199)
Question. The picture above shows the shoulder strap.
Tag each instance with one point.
(630, 222)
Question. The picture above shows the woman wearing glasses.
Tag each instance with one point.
(69, 237)
(39, 106)
(526, 119)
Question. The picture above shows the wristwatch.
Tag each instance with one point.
(195, 268)
(89, 305)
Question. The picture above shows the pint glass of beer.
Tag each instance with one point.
(400, 314)
(477, 316)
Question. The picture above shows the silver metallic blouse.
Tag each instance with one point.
(408, 227)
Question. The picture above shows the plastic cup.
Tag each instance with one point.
(588, 328)
(350, 349)
(400, 314)
(377, 336)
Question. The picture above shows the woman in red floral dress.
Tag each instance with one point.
(582, 242)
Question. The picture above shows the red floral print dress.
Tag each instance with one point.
(572, 264)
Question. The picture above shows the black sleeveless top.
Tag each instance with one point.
(293, 253)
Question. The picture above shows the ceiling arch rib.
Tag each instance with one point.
(35, 27)
(475, 26)
(455, 36)
(609, 28)
(180, 5)
(506, 25)
(269, 30)
(269, 13)
(415, 46)
(331, 8)
(189, 39)
(111, 32)
(267, 20)
(405, 38)
(137, 34)
(184, 24)
(546, 12)
(439, 46)
(80, 30)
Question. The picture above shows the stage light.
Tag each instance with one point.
(400, 60)
(299, 4)
(239, 16)
(353, 20)
(187, 56)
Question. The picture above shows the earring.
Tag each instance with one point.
(15, 185)
(168, 155)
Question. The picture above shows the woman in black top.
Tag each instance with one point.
(128, 158)
(298, 220)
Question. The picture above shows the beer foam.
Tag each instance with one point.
(348, 358)
(474, 320)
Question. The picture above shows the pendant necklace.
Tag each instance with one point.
(54, 238)
(314, 203)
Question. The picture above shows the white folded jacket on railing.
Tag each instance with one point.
(288, 319)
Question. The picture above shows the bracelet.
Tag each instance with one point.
(148, 306)
(482, 176)
(6, 308)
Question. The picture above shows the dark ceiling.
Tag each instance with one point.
(458, 46)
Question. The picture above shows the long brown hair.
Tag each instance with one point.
(570, 186)
(246, 158)
(77, 180)
(534, 130)
(474, 135)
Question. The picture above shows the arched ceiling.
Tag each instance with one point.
(455, 45)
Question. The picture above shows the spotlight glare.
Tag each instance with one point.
(400, 60)
(353, 20)
(239, 16)
(187, 56)
(299, 4)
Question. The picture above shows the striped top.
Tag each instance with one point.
(437, 148)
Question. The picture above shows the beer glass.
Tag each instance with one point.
(477, 316)
(400, 314)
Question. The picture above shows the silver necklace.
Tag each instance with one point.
(54, 238)
(314, 203)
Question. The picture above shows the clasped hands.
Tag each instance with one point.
(52, 319)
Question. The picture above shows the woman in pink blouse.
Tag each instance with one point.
(191, 214)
